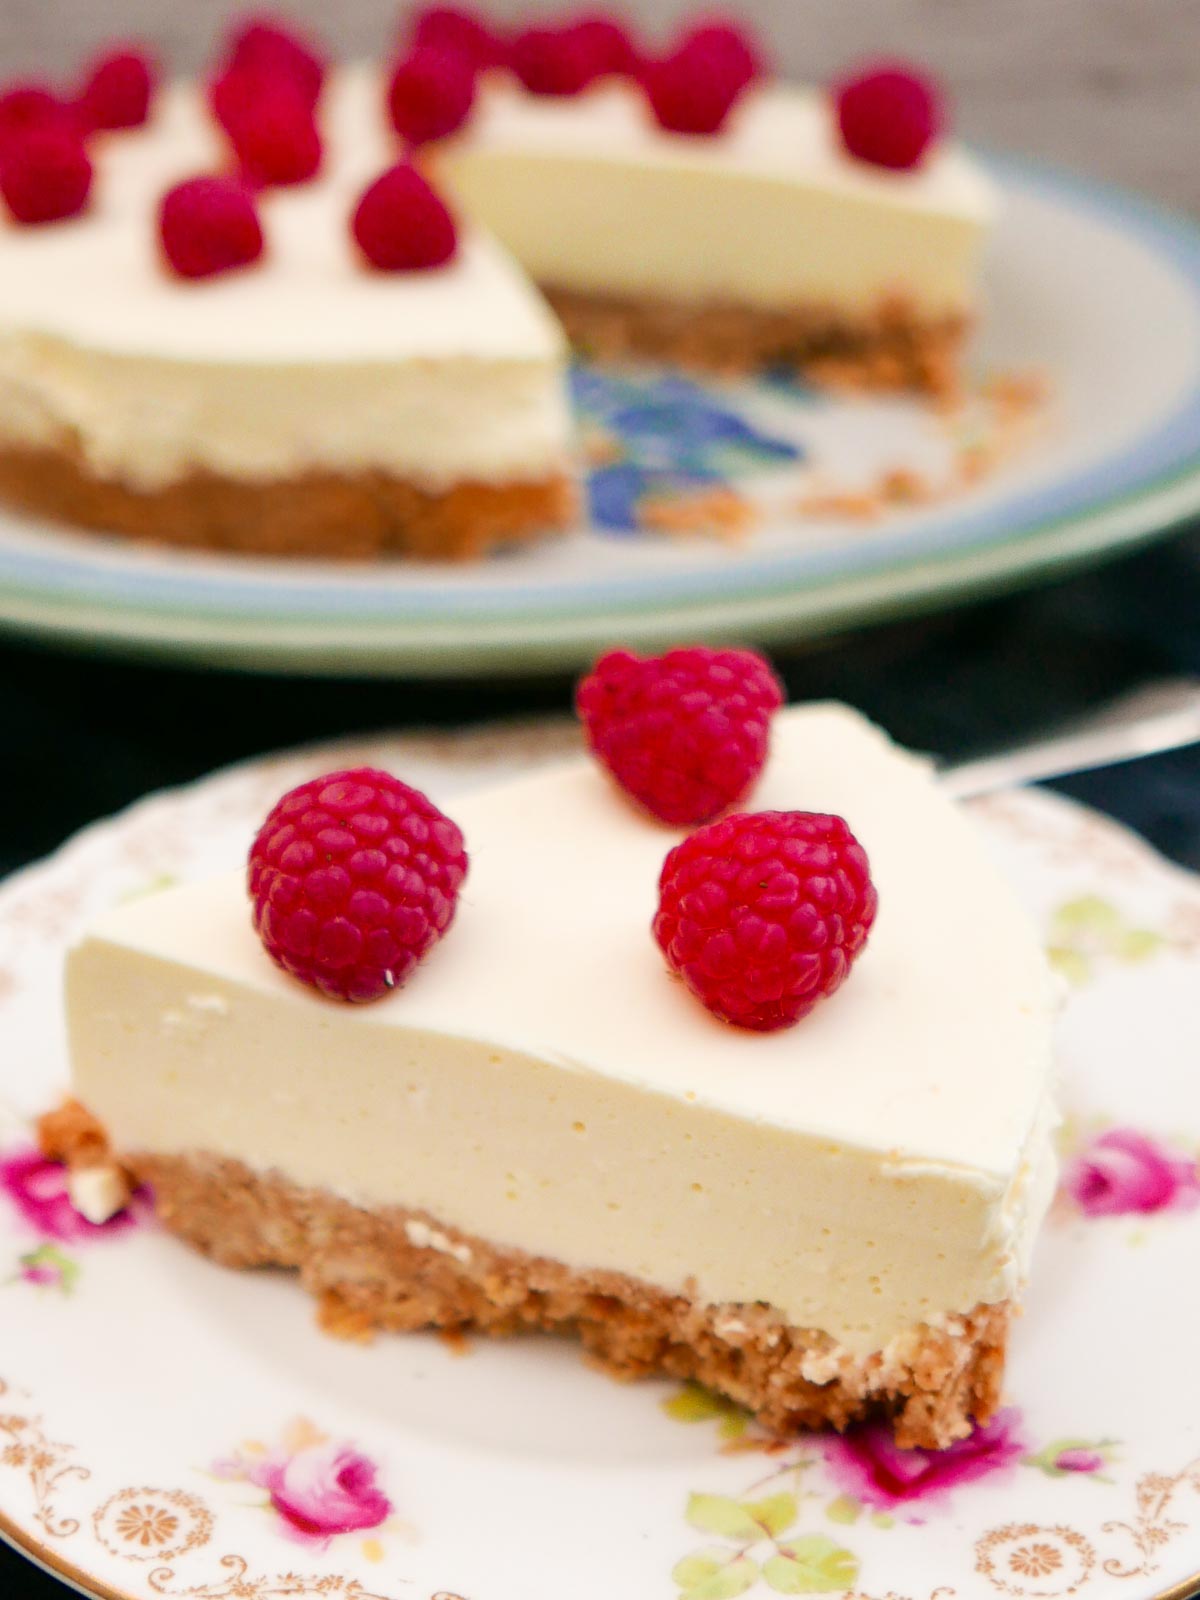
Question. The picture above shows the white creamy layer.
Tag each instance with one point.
(543, 1082)
(590, 194)
(304, 362)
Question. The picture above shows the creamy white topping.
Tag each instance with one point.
(542, 1082)
(307, 361)
(590, 194)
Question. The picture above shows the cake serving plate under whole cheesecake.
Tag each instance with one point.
(821, 1205)
(305, 384)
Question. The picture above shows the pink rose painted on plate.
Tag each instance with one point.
(319, 1487)
(866, 1463)
(1123, 1173)
(36, 1189)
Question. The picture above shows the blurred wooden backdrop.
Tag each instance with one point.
(1109, 87)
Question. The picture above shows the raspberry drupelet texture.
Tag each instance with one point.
(207, 226)
(354, 877)
(762, 914)
(687, 733)
(118, 89)
(431, 94)
(889, 115)
(401, 225)
(45, 173)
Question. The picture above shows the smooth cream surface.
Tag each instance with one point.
(307, 361)
(541, 1081)
(591, 195)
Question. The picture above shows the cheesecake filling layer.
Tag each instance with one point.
(306, 363)
(593, 197)
(543, 1084)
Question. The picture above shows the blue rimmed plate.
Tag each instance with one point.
(747, 510)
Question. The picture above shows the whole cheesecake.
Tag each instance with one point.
(308, 403)
(541, 1128)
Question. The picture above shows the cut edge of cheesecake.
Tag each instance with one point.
(396, 1270)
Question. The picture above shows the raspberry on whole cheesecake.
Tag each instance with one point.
(609, 43)
(730, 45)
(889, 115)
(458, 28)
(691, 91)
(553, 61)
(686, 734)
(354, 877)
(28, 105)
(271, 127)
(401, 225)
(431, 94)
(763, 913)
(45, 173)
(118, 90)
(208, 226)
(269, 50)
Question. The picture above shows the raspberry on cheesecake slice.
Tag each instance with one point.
(793, 1143)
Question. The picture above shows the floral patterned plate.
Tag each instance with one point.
(168, 1428)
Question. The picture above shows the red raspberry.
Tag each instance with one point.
(45, 174)
(431, 94)
(270, 50)
(762, 914)
(456, 28)
(889, 115)
(553, 61)
(271, 128)
(354, 879)
(609, 43)
(118, 90)
(26, 105)
(401, 225)
(730, 45)
(692, 91)
(209, 225)
(686, 734)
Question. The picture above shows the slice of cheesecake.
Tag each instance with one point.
(764, 243)
(543, 1128)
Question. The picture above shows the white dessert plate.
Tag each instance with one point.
(844, 509)
(171, 1428)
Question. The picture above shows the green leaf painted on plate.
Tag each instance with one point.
(694, 1404)
(714, 1513)
(882, 1519)
(774, 1515)
(844, 1509)
(1088, 913)
(1139, 944)
(1070, 964)
(714, 1574)
(812, 1565)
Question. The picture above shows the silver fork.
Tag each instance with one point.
(1160, 716)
